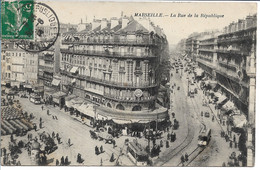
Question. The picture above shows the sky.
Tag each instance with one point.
(175, 28)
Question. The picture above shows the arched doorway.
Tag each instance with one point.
(120, 107)
(109, 105)
(87, 96)
(137, 108)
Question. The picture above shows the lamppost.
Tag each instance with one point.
(188, 86)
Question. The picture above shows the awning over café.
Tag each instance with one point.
(220, 97)
(87, 109)
(228, 105)
(55, 82)
(74, 69)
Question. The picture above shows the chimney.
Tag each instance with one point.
(114, 22)
(103, 23)
(124, 21)
(96, 23)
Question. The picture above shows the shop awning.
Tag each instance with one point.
(15, 83)
(55, 82)
(239, 120)
(121, 122)
(220, 97)
(198, 71)
(87, 109)
(59, 94)
(228, 105)
(28, 86)
(160, 99)
(69, 97)
(75, 102)
(74, 69)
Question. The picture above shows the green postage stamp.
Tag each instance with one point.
(17, 19)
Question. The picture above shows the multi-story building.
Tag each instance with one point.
(20, 66)
(230, 59)
(237, 70)
(207, 54)
(113, 64)
(49, 60)
(192, 45)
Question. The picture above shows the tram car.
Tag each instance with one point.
(204, 137)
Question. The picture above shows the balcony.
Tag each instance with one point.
(207, 50)
(229, 39)
(110, 83)
(108, 54)
(138, 70)
(132, 42)
(233, 51)
(129, 99)
(46, 57)
(46, 68)
(44, 78)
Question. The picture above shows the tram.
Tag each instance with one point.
(36, 99)
(204, 137)
(137, 154)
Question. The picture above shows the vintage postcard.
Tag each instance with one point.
(88, 83)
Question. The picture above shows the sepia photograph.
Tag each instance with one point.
(146, 84)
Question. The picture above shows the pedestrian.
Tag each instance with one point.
(35, 127)
(53, 135)
(57, 135)
(79, 158)
(230, 144)
(56, 117)
(12, 138)
(57, 162)
(167, 144)
(62, 161)
(212, 118)
(186, 157)
(4, 160)
(4, 151)
(101, 162)
(66, 160)
(42, 107)
(114, 143)
(161, 143)
(223, 164)
(40, 119)
(234, 138)
(48, 112)
(182, 159)
(101, 149)
(112, 158)
(58, 139)
(168, 136)
(40, 125)
(69, 141)
(96, 150)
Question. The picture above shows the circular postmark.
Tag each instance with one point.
(46, 29)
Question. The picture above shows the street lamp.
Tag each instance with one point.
(188, 85)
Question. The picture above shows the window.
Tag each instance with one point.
(120, 107)
(137, 108)
(137, 63)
